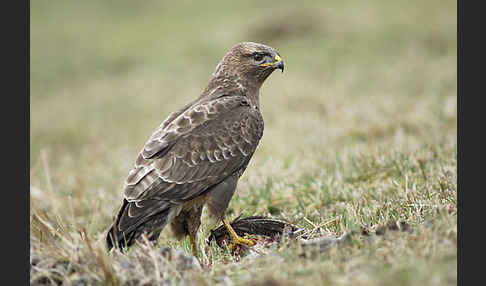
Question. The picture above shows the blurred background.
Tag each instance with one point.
(359, 76)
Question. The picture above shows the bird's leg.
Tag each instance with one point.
(193, 239)
(193, 221)
(236, 239)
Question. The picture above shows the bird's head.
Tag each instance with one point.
(250, 61)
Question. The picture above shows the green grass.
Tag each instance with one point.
(360, 129)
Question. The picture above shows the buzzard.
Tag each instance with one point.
(197, 154)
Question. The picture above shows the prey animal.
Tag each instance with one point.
(196, 156)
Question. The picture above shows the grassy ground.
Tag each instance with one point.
(359, 130)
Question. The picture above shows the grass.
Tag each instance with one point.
(359, 130)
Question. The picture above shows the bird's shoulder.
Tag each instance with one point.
(198, 114)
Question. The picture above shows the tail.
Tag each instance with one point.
(136, 218)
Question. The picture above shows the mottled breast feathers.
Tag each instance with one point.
(195, 148)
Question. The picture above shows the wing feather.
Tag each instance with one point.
(197, 149)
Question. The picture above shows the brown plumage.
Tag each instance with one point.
(198, 153)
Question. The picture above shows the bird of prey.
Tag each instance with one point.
(197, 154)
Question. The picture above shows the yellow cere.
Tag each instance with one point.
(275, 60)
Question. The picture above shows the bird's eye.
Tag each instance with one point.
(258, 57)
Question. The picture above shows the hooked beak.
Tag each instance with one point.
(276, 64)
(279, 63)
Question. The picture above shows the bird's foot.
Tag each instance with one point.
(242, 241)
(235, 238)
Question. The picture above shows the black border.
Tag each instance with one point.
(470, 163)
(27, 91)
(15, 207)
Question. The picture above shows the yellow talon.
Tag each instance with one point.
(236, 239)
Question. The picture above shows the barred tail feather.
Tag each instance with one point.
(134, 219)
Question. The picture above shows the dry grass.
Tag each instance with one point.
(359, 130)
